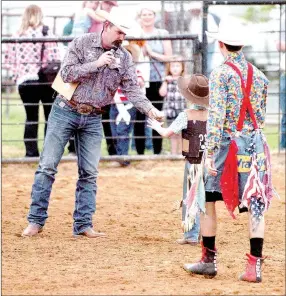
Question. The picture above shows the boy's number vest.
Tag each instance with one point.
(193, 138)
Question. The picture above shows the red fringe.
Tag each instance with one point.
(229, 180)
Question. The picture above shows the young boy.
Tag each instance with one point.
(192, 123)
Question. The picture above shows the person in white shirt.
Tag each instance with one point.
(195, 27)
(123, 113)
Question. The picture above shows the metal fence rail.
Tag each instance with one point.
(243, 2)
(187, 44)
(68, 39)
(7, 103)
(276, 71)
(102, 158)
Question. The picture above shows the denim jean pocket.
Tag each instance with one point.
(61, 103)
(61, 111)
(221, 154)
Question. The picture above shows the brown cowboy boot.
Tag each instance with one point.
(253, 269)
(31, 230)
(206, 266)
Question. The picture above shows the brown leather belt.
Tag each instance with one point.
(84, 109)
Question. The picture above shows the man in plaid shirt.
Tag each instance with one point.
(99, 64)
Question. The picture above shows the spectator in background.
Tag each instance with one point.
(68, 28)
(97, 24)
(281, 47)
(159, 52)
(143, 66)
(83, 19)
(196, 26)
(122, 113)
(174, 102)
(24, 60)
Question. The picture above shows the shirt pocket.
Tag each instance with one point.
(113, 80)
(91, 56)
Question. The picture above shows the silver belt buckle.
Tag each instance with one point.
(84, 109)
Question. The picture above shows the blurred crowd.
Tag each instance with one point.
(158, 68)
(159, 64)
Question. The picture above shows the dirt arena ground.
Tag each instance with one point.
(139, 256)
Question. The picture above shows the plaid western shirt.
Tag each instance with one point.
(174, 102)
(97, 86)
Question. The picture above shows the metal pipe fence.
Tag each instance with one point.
(196, 59)
(271, 68)
(9, 103)
(7, 15)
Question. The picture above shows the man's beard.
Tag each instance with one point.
(117, 43)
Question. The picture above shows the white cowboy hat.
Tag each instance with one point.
(230, 31)
(117, 18)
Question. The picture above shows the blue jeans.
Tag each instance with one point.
(243, 142)
(283, 110)
(148, 140)
(121, 131)
(194, 233)
(62, 123)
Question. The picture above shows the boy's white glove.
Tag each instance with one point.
(123, 113)
(154, 124)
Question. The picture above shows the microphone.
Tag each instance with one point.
(113, 51)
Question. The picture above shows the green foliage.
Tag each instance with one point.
(258, 14)
(13, 119)
(272, 136)
(15, 131)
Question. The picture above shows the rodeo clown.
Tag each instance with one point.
(237, 158)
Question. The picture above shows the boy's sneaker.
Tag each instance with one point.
(185, 241)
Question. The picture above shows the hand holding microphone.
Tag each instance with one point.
(106, 58)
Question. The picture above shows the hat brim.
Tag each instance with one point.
(234, 42)
(183, 82)
(106, 17)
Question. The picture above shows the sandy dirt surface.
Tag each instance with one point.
(139, 256)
